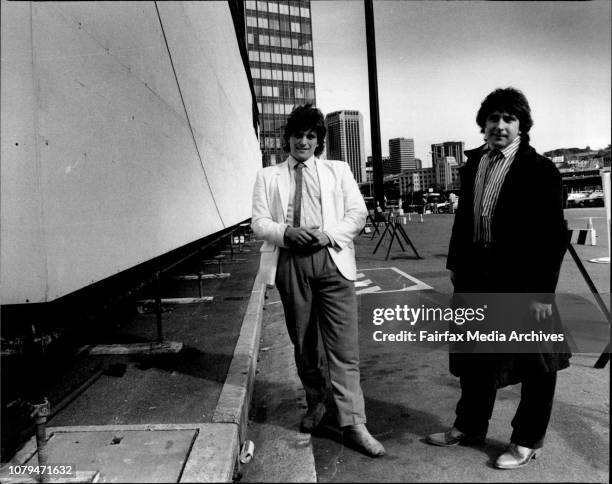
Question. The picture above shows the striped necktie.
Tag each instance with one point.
(297, 197)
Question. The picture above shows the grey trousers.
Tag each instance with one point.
(315, 295)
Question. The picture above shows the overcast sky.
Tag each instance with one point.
(437, 60)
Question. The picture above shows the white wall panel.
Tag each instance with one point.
(22, 244)
(120, 177)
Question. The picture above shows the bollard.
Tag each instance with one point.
(40, 413)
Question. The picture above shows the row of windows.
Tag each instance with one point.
(271, 143)
(275, 108)
(281, 25)
(278, 58)
(278, 75)
(288, 92)
(276, 41)
(274, 7)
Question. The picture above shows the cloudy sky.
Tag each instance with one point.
(437, 60)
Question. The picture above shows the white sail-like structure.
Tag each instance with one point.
(127, 132)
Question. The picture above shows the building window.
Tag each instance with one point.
(255, 72)
(266, 74)
(278, 143)
(251, 21)
(294, 11)
(294, 43)
(274, 41)
(298, 76)
(288, 108)
(308, 77)
(307, 45)
(284, 25)
(299, 92)
(273, 7)
(257, 89)
(274, 24)
(259, 107)
(286, 42)
(287, 59)
(276, 57)
(262, 6)
(287, 91)
(267, 108)
(305, 28)
(253, 55)
(308, 61)
(305, 12)
(264, 56)
(264, 40)
(287, 76)
(277, 75)
(251, 4)
(262, 23)
(310, 93)
(278, 109)
(283, 9)
(275, 91)
(295, 27)
(250, 38)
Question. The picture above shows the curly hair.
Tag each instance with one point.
(301, 119)
(511, 101)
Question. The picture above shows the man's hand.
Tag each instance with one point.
(306, 237)
(301, 236)
(320, 239)
(540, 311)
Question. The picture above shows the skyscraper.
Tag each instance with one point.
(345, 140)
(446, 158)
(448, 148)
(279, 40)
(401, 155)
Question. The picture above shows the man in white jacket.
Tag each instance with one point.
(308, 211)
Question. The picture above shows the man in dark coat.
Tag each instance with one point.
(508, 241)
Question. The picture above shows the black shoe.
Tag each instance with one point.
(454, 437)
(313, 418)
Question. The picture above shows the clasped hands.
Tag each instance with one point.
(306, 237)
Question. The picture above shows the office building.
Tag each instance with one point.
(446, 158)
(345, 140)
(401, 155)
(416, 180)
(279, 40)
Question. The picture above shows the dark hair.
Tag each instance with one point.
(301, 119)
(511, 101)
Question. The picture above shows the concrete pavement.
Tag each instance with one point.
(410, 393)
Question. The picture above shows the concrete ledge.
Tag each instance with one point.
(234, 401)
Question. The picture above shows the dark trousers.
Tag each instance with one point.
(530, 422)
(317, 297)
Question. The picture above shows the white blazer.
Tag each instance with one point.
(344, 213)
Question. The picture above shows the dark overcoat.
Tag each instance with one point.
(529, 242)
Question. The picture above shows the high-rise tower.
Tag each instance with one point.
(401, 155)
(345, 140)
(279, 39)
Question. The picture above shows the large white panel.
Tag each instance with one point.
(208, 61)
(120, 175)
(22, 245)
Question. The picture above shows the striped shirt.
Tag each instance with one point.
(492, 170)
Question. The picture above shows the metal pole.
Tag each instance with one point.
(377, 170)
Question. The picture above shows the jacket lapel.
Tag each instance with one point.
(282, 186)
(325, 190)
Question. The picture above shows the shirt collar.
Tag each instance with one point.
(309, 162)
(508, 149)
